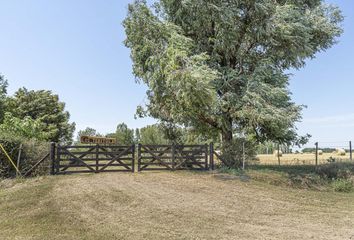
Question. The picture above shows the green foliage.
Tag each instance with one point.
(179, 81)
(269, 147)
(32, 151)
(342, 185)
(167, 133)
(337, 176)
(152, 134)
(88, 132)
(137, 135)
(124, 135)
(220, 66)
(312, 150)
(336, 171)
(240, 148)
(233, 171)
(45, 107)
(26, 128)
(3, 91)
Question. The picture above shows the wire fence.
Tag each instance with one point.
(28, 158)
(318, 153)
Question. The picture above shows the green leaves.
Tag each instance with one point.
(44, 107)
(24, 128)
(3, 91)
(218, 66)
(180, 81)
(124, 135)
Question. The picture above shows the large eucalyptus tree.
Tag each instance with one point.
(220, 66)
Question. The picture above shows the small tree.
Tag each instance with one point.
(153, 134)
(43, 106)
(24, 128)
(88, 132)
(3, 92)
(124, 135)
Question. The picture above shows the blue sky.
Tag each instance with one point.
(75, 48)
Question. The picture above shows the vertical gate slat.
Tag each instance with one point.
(139, 157)
(211, 156)
(133, 157)
(57, 162)
(173, 150)
(97, 156)
(206, 156)
(52, 158)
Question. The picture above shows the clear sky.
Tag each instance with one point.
(75, 48)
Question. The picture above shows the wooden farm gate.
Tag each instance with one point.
(172, 157)
(92, 159)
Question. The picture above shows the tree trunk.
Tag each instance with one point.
(228, 151)
(226, 137)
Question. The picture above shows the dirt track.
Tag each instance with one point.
(179, 205)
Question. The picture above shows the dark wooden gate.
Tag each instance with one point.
(172, 157)
(94, 159)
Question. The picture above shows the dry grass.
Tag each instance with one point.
(298, 159)
(165, 205)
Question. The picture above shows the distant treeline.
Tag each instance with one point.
(270, 147)
(151, 134)
(325, 150)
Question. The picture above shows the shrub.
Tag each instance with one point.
(232, 155)
(342, 185)
(336, 171)
(32, 152)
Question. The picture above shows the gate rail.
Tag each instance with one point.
(107, 158)
(172, 157)
(92, 159)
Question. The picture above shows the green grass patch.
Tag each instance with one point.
(28, 210)
(332, 176)
(342, 185)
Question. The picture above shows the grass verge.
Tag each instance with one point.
(332, 176)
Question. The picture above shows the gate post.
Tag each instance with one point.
(52, 158)
(57, 161)
(206, 156)
(350, 151)
(139, 156)
(316, 159)
(211, 155)
(173, 156)
(97, 156)
(133, 156)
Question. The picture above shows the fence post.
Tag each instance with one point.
(139, 156)
(97, 156)
(57, 161)
(18, 159)
(316, 162)
(350, 151)
(173, 156)
(278, 154)
(243, 155)
(206, 157)
(133, 155)
(211, 155)
(52, 158)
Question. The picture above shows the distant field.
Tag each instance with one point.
(298, 159)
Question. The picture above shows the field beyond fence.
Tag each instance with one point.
(300, 159)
